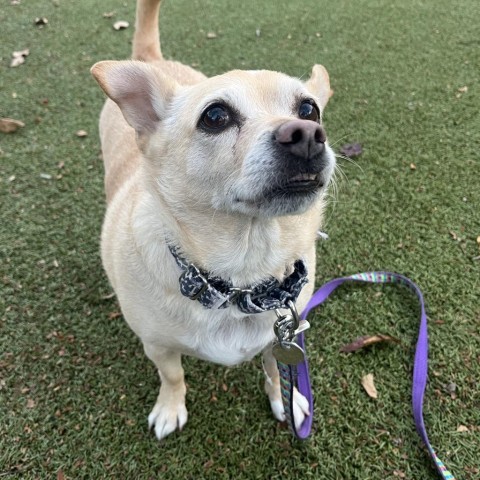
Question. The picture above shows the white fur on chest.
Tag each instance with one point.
(228, 340)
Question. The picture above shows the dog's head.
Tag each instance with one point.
(250, 142)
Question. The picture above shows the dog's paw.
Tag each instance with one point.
(165, 418)
(301, 408)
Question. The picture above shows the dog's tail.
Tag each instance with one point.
(146, 40)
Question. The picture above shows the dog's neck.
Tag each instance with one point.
(240, 248)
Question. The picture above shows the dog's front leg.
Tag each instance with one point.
(272, 388)
(169, 413)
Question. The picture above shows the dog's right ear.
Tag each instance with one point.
(319, 84)
(140, 90)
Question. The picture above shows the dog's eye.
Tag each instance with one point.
(308, 111)
(215, 118)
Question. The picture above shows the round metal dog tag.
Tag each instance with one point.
(289, 353)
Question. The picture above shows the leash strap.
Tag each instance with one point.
(291, 376)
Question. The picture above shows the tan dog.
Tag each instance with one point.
(232, 172)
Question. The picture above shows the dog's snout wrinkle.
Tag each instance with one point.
(303, 138)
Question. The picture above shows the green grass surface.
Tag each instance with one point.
(75, 386)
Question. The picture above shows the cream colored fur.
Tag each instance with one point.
(166, 178)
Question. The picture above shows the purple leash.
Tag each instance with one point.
(297, 375)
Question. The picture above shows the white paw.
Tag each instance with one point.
(278, 410)
(300, 408)
(166, 418)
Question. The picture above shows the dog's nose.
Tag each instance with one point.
(304, 138)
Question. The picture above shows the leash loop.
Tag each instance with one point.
(296, 375)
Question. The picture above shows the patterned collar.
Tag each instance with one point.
(216, 293)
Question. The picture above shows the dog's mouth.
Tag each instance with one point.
(300, 184)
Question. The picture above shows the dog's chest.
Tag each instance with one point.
(228, 340)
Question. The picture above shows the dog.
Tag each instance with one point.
(215, 191)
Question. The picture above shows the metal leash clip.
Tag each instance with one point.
(286, 328)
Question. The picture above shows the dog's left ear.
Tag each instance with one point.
(319, 84)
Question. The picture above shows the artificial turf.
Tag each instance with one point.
(75, 386)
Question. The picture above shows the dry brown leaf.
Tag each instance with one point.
(478, 239)
(463, 89)
(208, 464)
(30, 403)
(108, 14)
(351, 150)
(462, 429)
(81, 133)
(413, 166)
(19, 57)
(367, 340)
(211, 35)
(120, 25)
(369, 386)
(9, 125)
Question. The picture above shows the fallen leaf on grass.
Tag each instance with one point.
(81, 133)
(208, 464)
(454, 236)
(413, 166)
(451, 388)
(9, 125)
(367, 340)
(108, 297)
(30, 403)
(478, 239)
(351, 150)
(211, 35)
(369, 386)
(120, 25)
(41, 21)
(108, 14)
(19, 57)
(462, 429)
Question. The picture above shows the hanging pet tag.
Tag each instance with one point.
(289, 353)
